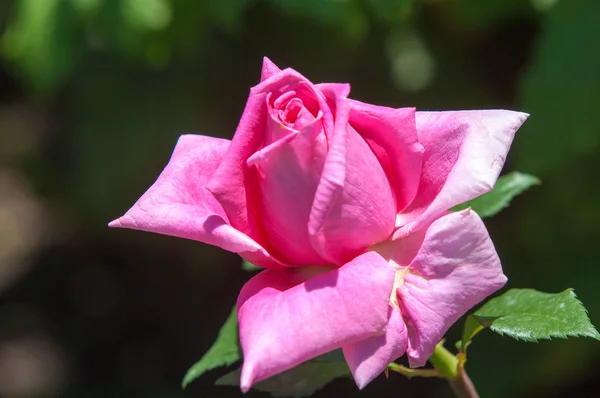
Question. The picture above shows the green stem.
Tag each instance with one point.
(410, 373)
(444, 361)
(449, 366)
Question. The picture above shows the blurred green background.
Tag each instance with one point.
(94, 93)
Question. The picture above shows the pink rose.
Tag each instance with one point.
(346, 204)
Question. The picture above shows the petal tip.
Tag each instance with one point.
(502, 279)
(268, 69)
(360, 385)
(245, 388)
(125, 221)
(416, 362)
(246, 379)
(517, 117)
(522, 117)
(115, 223)
(361, 381)
(344, 90)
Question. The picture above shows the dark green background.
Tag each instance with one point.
(94, 93)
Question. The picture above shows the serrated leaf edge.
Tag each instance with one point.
(593, 333)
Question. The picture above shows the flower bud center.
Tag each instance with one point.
(292, 110)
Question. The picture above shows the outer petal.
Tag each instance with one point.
(464, 153)
(354, 206)
(178, 204)
(392, 135)
(232, 183)
(369, 358)
(456, 267)
(287, 318)
(268, 69)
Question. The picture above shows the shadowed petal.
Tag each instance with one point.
(464, 153)
(232, 183)
(287, 317)
(288, 174)
(354, 206)
(392, 135)
(369, 358)
(178, 203)
(456, 268)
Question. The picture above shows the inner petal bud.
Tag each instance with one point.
(290, 113)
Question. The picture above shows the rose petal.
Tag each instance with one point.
(288, 174)
(278, 126)
(456, 267)
(370, 357)
(233, 183)
(178, 204)
(464, 153)
(333, 91)
(268, 69)
(392, 135)
(354, 206)
(287, 318)
(312, 99)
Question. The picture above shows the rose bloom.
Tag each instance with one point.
(346, 205)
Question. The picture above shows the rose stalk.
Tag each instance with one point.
(346, 206)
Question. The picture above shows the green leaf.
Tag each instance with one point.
(506, 188)
(301, 381)
(471, 328)
(331, 356)
(248, 266)
(529, 315)
(224, 351)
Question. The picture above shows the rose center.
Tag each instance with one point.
(289, 114)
